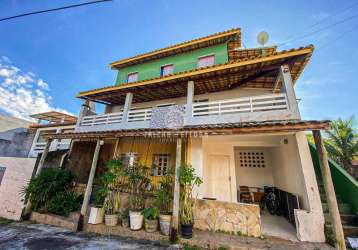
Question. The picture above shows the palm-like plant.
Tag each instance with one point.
(342, 142)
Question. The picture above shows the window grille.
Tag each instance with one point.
(252, 159)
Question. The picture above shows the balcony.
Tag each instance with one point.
(253, 108)
(38, 147)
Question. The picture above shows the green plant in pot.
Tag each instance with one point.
(125, 218)
(151, 215)
(111, 208)
(188, 179)
(105, 198)
(163, 201)
(138, 181)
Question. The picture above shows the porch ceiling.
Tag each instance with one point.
(200, 130)
(258, 72)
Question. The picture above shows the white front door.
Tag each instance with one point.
(219, 177)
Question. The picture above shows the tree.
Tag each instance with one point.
(342, 143)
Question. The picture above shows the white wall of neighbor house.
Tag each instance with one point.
(228, 94)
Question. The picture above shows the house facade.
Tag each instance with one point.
(229, 111)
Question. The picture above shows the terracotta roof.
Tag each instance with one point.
(50, 125)
(298, 58)
(181, 47)
(199, 130)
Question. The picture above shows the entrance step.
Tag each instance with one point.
(344, 208)
(347, 219)
(349, 231)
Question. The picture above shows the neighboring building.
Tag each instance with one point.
(15, 142)
(10, 122)
(229, 111)
(50, 122)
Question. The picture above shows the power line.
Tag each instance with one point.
(54, 9)
(318, 30)
(338, 37)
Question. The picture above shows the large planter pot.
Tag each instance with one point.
(164, 223)
(111, 220)
(96, 215)
(151, 225)
(136, 220)
(187, 231)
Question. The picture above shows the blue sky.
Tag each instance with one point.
(45, 60)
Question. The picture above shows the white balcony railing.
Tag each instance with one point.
(94, 120)
(139, 115)
(241, 105)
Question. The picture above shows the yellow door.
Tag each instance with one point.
(219, 177)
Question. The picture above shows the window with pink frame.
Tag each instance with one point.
(206, 61)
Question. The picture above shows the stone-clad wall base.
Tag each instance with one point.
(70, 223)
(215, 216)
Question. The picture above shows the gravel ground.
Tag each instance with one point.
(41, 237)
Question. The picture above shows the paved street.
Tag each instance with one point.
(41, 237)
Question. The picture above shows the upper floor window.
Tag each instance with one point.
(166, 70)
(206, 61)
(132, 77)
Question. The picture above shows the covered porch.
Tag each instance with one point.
(211, 150)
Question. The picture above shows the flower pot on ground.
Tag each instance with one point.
(164, 223)
(137, 183)
(111, 208)
(96, 215)
(151, 219)
(125, 218)
(187, 231)
(163, 200)
(136, 220)
(188, 179)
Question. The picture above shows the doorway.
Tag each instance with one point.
(219, 177)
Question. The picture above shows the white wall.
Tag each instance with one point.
(228, 94)
(254, 176)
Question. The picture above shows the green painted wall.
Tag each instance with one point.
(182, 62)
(344, 184)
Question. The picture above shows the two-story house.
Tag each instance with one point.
(230, 111)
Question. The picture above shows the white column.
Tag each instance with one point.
(127, 107)
(189, 101)
(36, 138)
(287, 87)
(90, 178)
(175, 217)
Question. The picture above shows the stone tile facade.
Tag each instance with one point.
(70, 222)
(215, 216)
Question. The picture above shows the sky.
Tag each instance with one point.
(46, 59)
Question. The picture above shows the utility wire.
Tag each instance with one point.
(338, 38)
(318, 30)
(326, 18)
(54, 9)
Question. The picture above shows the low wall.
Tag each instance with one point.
(214, 215)
(17, 174)
(70, 222)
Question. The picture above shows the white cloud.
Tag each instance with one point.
(42, 84)
(22, 93)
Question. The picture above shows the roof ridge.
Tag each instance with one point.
(121, 61)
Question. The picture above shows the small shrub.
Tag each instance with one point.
(49, 183)
(64, 203)
(151, 213)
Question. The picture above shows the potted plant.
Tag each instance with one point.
(163, 200)
(111, 208)
(96, 209)
(151, 219)
(188, 179)
(106, 196)
(137, 183)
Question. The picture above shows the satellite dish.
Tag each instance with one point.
(262, 38)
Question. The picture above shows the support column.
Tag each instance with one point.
(329, 189)
(287, 87)
(189, 101)
(175, 217)
(90, 179)
(127, 107)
